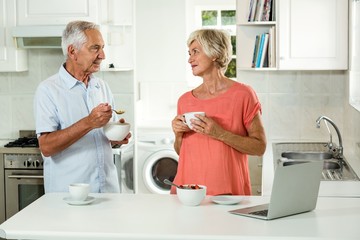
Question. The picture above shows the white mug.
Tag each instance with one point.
(79, 191)
(191, 115)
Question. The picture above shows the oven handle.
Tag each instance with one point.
(26, 176)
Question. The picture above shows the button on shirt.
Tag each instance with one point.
(60, 101)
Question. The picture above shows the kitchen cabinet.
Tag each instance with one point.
(309, 35)
(11, 58)
(45, 12)
(354, 66)
(115, 18)
(255, 168)
(118, 35)
(2, 190)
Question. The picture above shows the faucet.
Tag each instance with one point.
(338, 151)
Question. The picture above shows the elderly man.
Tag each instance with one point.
(71, 107)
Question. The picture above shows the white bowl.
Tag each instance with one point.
(116, 131)
(191, 197)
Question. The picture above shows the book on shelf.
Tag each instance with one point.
(261, 10)
(264, 49)
(271, 50)
(256, 47)
(266, 11)
(261, 46)
(261, 57)
(252, 8)
(272, 11)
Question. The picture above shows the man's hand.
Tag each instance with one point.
(100, 115)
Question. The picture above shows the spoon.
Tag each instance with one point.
(118, 111)
(166, 181)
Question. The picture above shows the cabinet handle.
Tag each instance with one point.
(26, 176)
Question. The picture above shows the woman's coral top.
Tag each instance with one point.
(206, 161)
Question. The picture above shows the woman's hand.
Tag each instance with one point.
(178, 125)
(253, 144)
(207, 126)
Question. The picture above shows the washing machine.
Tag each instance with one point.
(156, 160)
(124, 162)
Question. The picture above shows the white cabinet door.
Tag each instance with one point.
(120, 12)
(11, 59)
(312, 34)
(53, 12)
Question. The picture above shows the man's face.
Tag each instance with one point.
(91, 54)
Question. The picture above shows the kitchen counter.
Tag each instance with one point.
(154, 216)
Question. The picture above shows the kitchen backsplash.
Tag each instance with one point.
(292, 100)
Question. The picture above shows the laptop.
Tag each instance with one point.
(295, 190)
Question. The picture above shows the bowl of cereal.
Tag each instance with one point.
(191, 194)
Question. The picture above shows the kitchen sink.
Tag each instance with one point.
(334, 169)
(328, 164)
(307, 155)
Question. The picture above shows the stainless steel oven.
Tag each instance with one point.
(24, 181)
(21, 174)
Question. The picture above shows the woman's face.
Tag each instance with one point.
(91, 54)
(199, 61)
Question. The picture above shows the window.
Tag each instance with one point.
(220, 14)
(221, 17)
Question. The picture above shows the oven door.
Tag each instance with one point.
(22, 187)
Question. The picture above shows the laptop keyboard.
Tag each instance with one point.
(260, 213)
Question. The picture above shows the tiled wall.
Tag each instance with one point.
(293, 100)
(17, 92)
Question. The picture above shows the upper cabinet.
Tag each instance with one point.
(301, 35)
(45, 12)
(11, 58)
(118, 34)
(313, 34)
(115, 18)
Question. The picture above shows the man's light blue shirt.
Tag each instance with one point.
(60, 101)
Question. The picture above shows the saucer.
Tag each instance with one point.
(226, 199)
(88, 200)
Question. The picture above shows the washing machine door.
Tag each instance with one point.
(159, 166)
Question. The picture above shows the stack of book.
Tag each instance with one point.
(261, 10)
(264, 50)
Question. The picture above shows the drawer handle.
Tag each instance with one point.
(27, 176)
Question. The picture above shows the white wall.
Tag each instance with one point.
(160, 60)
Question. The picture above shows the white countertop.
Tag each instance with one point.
(327, 188)
(153, 216)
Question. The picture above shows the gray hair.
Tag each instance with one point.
(74, 34)
(216, 43)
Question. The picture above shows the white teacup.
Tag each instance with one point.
(79, 191)
(191, 115)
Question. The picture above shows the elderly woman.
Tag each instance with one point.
(214, 152)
